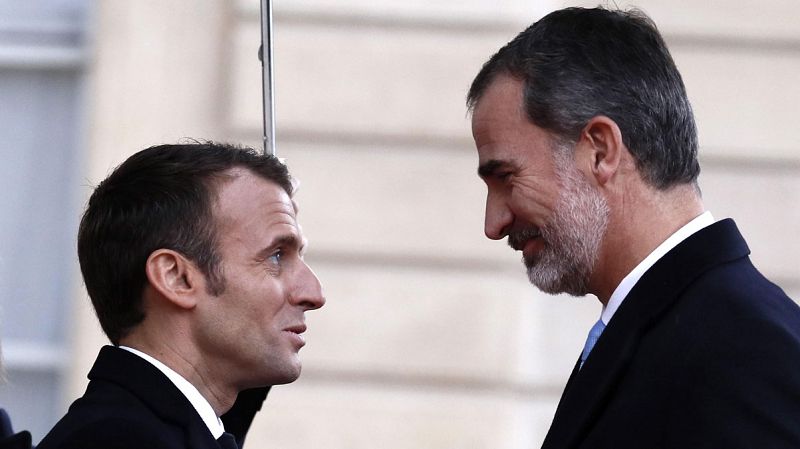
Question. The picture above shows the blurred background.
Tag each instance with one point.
(431, 337)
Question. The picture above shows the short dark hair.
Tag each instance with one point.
(160, 197)
(579, 63)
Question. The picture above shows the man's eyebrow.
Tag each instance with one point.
(286, 240)
(490, 167)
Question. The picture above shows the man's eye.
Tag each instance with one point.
(275, 259)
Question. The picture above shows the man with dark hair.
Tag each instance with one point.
(192, 257)
(588, 146)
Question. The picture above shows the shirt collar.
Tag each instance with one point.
(624, 287)
(197, 400)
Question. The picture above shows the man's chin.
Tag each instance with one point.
(287, 374)
(541, 278)
(555, 282)
(292, 375)
(530, 262)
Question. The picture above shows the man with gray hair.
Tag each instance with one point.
(587, 143)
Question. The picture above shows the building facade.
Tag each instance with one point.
(431, 336)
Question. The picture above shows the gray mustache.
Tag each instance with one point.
(517, 238)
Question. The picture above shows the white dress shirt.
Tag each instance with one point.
(624, 287)
(199, 403)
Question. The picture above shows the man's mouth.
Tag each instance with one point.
(297, 329)
(520, 238)
(296, 333)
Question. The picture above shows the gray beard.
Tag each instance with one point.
(572, 236)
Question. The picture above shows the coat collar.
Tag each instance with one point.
(588, 390)
(154, 389)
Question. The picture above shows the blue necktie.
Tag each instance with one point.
(594, 334)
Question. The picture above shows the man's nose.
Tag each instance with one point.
(498, 218)
(307, 291)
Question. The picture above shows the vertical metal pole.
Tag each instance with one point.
(268, 97)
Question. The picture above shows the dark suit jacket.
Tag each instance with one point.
(703, 353)
(129, 403)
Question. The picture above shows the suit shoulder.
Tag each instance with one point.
(115, 432)
(728, 350)
(113, 419)
(739, 294)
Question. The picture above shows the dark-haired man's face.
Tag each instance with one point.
(251, 334)
(536, 196)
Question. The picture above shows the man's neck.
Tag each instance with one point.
(637, 226)
(188, 366)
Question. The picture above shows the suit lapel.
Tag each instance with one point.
(154, 389)
(588, 390)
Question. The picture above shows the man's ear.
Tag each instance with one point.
(601, 141)
(175, 277)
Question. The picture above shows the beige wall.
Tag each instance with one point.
(431, 337)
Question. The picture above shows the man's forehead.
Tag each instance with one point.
(504, 91)
(240, 179)
(246, 196)
(499, 110)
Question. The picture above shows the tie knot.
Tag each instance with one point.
(597, 329)
(594, 335)
(227, 441)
